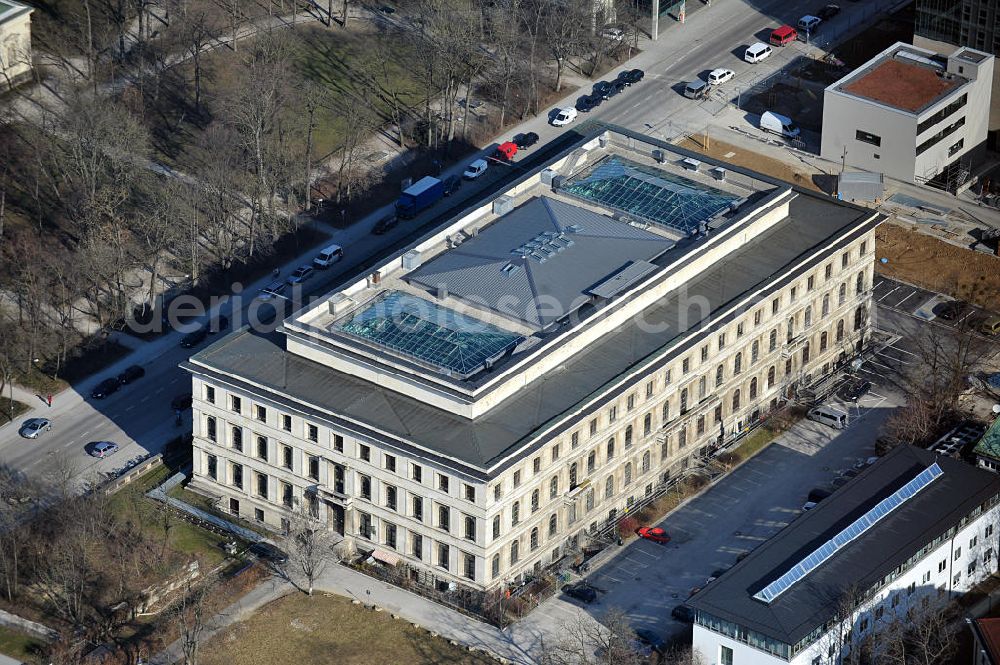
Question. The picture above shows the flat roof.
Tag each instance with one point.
(537, 263)
(483, 442)
(812, 600)
(903, 79)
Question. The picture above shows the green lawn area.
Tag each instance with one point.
(5, 410)
(203, 502)
(20, 646)
(184, 537)
(298, 630)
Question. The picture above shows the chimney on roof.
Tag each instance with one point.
(442, 291)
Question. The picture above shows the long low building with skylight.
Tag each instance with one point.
(906, 536)
(482, 401)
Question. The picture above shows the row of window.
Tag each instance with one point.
(440, 552)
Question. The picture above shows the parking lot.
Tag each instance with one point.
(648, 580)
(921, 303)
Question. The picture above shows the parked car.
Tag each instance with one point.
(651, 639)
(451, 185)
(990, 326)
(105, 388)
(525, 141)
(272, 290)
(696, 89)
(475, 169)
(828, 12)
(588, 103)
(181, 402)
(786, 34)
(300, 274)
(32, 427)
(603, 89)
(952, 310)
(564, 117)
(683, 612)
(618, 86)
(720, 76)
(506, 151)
(613, 33)
(581, 592)
(633, 76)
(654, 533)
(196, 336)
(808, 24)
(131, 373)
(857, 390)
(102, 449)
(385, 224)
(757, 52)
(268, 552)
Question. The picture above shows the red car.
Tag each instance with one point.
(654, 533)
(506, 151)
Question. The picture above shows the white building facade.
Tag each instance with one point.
(15, 42)
(909, 113)
(480, 480)
(961, 554)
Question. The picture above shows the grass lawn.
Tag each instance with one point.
(184, 537)
(5, 410)
(20, 645)
(298, 630)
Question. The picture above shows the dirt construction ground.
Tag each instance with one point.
(750, 160)
(925, 261)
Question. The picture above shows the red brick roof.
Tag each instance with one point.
(901, 85)
(989, 629)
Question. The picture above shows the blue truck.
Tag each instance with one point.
(419, 196)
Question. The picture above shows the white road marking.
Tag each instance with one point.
(894, 289)
(900, 303)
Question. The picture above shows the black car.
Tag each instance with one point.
(105, 388)
(604, 90)
(651, 639)
(951, 311)
(633, 76)
(581, 592)
(131, 373)
(857, 390)
(683, 613)
(828, 12)
(525, 141)
(383, 225)
(195, 337)
(181, 402)
(268, 552)
(588, 103)
(452, 184)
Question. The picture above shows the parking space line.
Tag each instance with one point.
(888, 293)
(900, 303)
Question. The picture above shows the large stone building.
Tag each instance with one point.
(909, 534)
(15, 42)
(911, 114)
(543, 360)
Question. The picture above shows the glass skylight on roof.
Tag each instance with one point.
(842, 539)
(420, 329)
(649, 193)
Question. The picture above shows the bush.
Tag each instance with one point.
(627, 525)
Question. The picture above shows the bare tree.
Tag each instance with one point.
(310, 547)
(189, 614)
(612, 641)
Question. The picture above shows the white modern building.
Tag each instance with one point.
(911, 530)
(15, 42)
(910, 113)
(480, 400)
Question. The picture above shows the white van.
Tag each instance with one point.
(828, 416)
(328, 256)
(778, 124)
(757, 52)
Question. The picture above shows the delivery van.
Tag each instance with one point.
(828, 416)
(757, 52)
(696, 89)
(328, 256)
(784, 35)
(778, 124)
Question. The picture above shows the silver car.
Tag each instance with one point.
(32, 427)
(103, 449)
